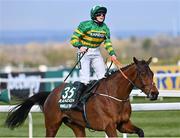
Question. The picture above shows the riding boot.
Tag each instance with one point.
(77, 104)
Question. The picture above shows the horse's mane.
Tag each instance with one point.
(127, 66)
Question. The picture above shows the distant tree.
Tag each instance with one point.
(133, 39)
(147, 43)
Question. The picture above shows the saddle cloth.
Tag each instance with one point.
(68, 95)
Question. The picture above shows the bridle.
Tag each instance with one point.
(144, 86)
(117, 63)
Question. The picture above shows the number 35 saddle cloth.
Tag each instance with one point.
(72, 94)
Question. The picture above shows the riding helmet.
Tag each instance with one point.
(97, 9)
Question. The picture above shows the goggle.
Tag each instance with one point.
(100, 14)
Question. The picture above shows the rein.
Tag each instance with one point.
(117, 63)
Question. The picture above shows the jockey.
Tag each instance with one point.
(87, 38)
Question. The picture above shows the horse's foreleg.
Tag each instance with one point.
(128, 127)
(79, 131)
(111, 130)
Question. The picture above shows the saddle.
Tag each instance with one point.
(70, 93)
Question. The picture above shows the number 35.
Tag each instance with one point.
(69, 92)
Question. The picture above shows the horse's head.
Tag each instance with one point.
(144, 79)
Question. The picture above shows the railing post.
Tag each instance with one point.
(124, 135)
(30, 125)
(52, 85)
(31, 92)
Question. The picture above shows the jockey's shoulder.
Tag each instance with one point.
(87, 22)
(85, 25)
(105, 26)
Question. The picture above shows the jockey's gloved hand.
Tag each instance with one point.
(113, 58)
(82, 49)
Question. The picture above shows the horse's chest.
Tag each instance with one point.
(124, 112)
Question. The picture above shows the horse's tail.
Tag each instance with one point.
(18, 114)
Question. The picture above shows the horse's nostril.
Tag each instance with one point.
(153, 96)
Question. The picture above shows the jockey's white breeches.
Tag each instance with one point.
(92, 58)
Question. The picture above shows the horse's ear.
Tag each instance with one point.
(149, 60)
(135, 60)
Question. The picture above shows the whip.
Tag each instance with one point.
(75, 64)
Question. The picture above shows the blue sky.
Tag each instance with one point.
(66, 14)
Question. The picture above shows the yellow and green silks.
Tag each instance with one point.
(91, 35)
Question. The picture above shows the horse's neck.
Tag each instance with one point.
(124, 86)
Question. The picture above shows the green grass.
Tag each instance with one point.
(159, 124)
(154, 124)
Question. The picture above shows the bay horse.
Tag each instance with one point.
(108, 109)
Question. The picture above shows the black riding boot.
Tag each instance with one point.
(80, 88)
